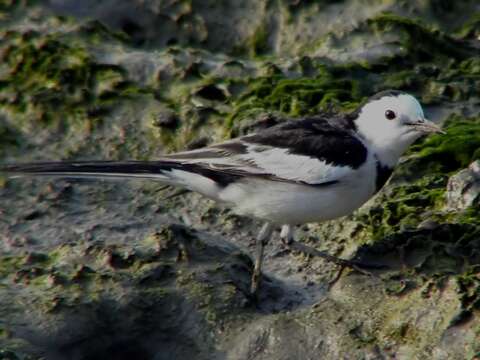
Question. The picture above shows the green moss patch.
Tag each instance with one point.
(446, 153)
(404, 207)
(295, 97)
(426, 62)
(420, 43)
(49, 82)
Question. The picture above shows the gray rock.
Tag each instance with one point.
(463, 189)
(101, 270)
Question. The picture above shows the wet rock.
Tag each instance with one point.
(463, 189)
(167, 306)
(328, 329)
(134, 80)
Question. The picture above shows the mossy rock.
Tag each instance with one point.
(445, 154)
(91, 90)
(50, 82)
(175, 271)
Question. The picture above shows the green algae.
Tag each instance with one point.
(51, 83)
(404, 207)
(340, 87)
(445, 154)
(295, 97)
(442, 68)
(9, 264)
(434, 43)
(433, 73)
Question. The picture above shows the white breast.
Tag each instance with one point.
(289, 203)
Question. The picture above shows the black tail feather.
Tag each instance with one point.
(118, 169)
(91, 168)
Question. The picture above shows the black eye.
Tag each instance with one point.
(390, 115)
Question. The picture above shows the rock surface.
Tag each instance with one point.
(119, 270)
(463, 189)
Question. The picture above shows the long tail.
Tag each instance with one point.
(195, 177)
(109, 169)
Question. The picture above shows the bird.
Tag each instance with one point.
(304, 170)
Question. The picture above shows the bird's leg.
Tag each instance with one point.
(286, 234)
(262, 239)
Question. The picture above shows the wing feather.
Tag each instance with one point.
(310, 151)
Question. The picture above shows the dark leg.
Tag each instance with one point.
(262, 239)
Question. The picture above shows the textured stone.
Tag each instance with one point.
(103, 270)
(463, 189)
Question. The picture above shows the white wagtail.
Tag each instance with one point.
(306, 170)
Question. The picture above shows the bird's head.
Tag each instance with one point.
(391, 121)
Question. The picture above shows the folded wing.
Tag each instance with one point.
(311, 152)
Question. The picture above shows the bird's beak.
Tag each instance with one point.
(427, 126)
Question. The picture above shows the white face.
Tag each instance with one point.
(391, 124)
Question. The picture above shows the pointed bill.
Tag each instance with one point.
(427, 126)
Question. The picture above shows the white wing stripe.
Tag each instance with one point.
(281, 163)
(278, 162)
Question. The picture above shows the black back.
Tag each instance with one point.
(328, 139)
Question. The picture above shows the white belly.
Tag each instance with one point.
(289, 203)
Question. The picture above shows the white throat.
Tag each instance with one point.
(389, 154)
(389, 138)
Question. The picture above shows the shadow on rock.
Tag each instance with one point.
(169, 298)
